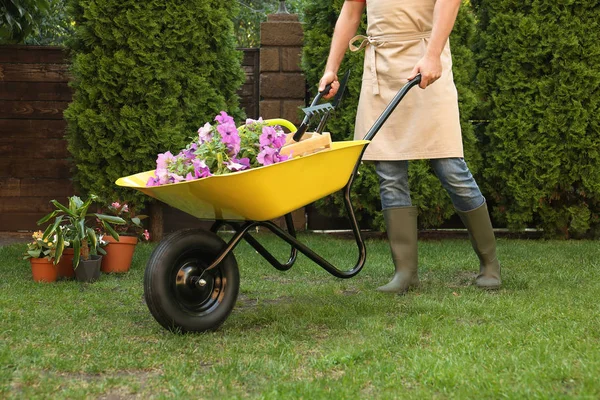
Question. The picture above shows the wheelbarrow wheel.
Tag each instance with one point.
(180, 293)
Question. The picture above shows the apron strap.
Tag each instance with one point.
(377, 41)
(371, 42)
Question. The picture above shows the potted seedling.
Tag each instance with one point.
(75, 223)
(119, 252)
(41, 255)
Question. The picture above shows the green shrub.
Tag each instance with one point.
(427, 193)
(539, 68)
(19, 19)
(54, 27)
(146, 76)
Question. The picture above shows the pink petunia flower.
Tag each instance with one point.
(238, 165)
(223, 118)
(162, 176)
(189, 153)
(267, 156)
(164, 160)
(205, 133)
(283, 157)
(250, 121)
(230, 136)
(201, 170)
(268, 135)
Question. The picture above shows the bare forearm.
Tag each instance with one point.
(345, 28)
(444, 16)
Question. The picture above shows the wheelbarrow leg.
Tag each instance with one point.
(268, 256)
(256, 245)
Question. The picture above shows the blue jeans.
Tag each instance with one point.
(453, 173)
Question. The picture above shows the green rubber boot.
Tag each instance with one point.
(483, 240)
(401, 226)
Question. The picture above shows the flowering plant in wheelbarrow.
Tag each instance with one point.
(220, 149)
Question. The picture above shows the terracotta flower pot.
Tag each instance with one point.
(89, 270)
(118, 254)
(65, 265)
(43, 270)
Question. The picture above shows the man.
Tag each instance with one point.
(406, 38)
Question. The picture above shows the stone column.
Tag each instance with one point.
(282, 83)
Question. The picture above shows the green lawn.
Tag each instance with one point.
(305, 334)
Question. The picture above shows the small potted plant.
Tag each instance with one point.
(119, 250)
(74, 223)
(41, 255)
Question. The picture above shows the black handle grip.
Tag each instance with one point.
(327, 89)
(304, 125)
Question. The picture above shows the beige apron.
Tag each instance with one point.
(426, 123)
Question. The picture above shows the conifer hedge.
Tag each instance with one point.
(146, 75)
(427, 193)
(539, 68)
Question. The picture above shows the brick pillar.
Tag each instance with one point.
(282, 83)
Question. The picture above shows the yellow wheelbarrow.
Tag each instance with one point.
(191, 281)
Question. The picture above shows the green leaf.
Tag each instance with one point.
(34, 253)
(92, 238)
(111, 219)
(63, 208)
(52, 229)
(60, 246)
(110, 230)
(47, 218)
(76, 252)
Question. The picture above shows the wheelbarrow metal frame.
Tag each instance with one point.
(242, 230)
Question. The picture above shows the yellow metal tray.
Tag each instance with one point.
(258, 194)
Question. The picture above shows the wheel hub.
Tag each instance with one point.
(195, 287)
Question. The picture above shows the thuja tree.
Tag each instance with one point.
(427, 193)
(540, 72)
(146, 75)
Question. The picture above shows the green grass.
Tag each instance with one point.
(305, 334)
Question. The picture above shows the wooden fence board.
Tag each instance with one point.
(40, 129)
(40, 91)
(10, 187)
(33, 55)
(32, 109)
(24, 168)
(34, 149)
(34, 205)
(30, 187)
(34, 72)
(25, 221)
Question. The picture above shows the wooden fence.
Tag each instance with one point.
(34, 166)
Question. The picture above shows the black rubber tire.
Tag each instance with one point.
(182, 307)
